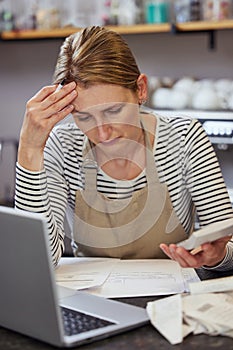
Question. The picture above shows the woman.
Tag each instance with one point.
(131, 179)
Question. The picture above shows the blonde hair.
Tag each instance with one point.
(96, 55)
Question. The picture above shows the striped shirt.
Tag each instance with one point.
(185, 161)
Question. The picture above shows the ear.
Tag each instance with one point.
(142, 88)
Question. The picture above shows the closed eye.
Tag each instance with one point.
(114, 110)
(82, 117)
(86, 117)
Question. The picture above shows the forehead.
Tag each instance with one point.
(100, 95)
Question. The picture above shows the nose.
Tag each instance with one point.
(104, 131)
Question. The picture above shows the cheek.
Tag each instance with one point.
(91, 134)
(130, 116)
(86, 127)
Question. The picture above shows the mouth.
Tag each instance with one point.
(110, 142)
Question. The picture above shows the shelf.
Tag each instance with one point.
(63, 32)
(38, 34)
(205, 25)
(199, 114)
(134, 29)
(142, 28)
(208, 27)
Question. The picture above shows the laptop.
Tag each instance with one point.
(32, 304)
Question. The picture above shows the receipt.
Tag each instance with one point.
(223, 284)
(213, 311)
(179, 315)
(166, 316)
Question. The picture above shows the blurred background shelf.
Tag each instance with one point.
(63, 32)
(205, 25)
(126, 29)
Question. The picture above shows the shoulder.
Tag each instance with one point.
(176, 121)
(171, 121)
(186, 128)
(174, 124)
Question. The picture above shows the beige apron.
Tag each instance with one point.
(129, 228)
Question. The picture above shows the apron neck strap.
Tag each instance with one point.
(90, 166)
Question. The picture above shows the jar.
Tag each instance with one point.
(195, 10)
(157, 11)
(217, 10)
(181, 10)
(224, 9)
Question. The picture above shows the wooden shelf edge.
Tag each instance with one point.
(134, 29)
(205, 25)
(63, 32)
(38, 34)
(142, 28)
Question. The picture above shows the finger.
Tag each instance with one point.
(58, 100)
(170, 252)
(181, 256)
(43, 93)
(59, 116)
(59, 106)
(186, 258)
(165, 249)
(48, 94)
(191, 257)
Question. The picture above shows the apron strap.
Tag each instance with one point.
(90, 166)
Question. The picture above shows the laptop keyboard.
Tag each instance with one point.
(76, 322)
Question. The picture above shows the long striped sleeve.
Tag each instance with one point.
(32, 195)
(185, 160)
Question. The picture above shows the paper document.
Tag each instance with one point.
(222, 284)
(212, 312)
(179, 315)
(111, 278)
(190, 276)
(166, 316)
(81, 273)
(131, 278)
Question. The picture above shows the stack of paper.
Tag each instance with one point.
(201, 312)
(115, 278)
(209, 313)
(82, 273)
